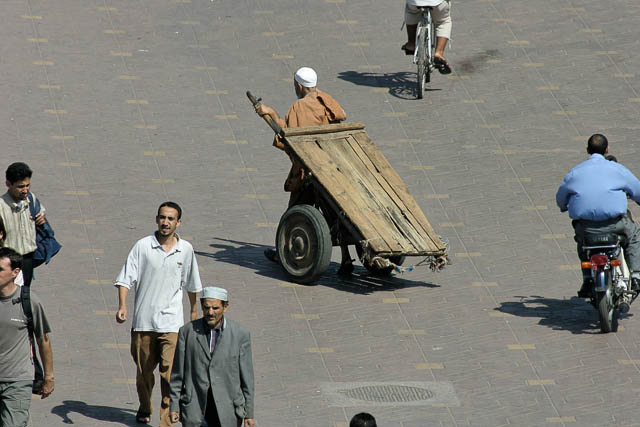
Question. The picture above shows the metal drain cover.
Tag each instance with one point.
(388, 393)
(411, 393)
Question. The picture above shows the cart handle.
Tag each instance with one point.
(257, 101)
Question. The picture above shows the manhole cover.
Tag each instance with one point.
(396, 393)
(388, 393)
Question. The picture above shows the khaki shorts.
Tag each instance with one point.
(440, 14)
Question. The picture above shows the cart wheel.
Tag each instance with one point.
(303, 242)
(376, 271)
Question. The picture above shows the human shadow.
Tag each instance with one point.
(250, 255)
(401, 85)
(575, 315)
(101, 413)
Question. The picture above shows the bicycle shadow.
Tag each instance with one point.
(251, 256)
(401, 85)
(575, 315)
(96, 412)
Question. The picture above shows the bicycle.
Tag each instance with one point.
(425, 46)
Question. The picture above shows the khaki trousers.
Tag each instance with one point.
(150, 349)
(440, 14)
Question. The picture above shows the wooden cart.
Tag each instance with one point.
(359, 200)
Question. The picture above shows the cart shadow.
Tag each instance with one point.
(101, 413)
(575, 315)
(250, 255)
(401, 85)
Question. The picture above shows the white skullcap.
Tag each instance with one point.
(306, 76)
(217, 293)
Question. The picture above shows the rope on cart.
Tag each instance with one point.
(435, 263)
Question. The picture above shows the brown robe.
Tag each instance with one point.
(315, 109)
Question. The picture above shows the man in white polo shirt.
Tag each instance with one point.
(159, 266)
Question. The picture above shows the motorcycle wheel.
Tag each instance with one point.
(606, 311)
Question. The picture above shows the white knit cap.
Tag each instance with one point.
(306, 76)
(217, 293)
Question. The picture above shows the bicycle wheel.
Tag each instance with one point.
(431, 44)
(422, 62)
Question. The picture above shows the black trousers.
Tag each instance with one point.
(211, 412)
(27, 268)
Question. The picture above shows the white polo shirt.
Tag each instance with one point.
(159, 279)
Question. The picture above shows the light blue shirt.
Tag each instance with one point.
(597, 189)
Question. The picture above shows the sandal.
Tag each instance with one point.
(442, 65)
(407, 51)
(143, 417)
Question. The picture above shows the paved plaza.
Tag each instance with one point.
(119, 105)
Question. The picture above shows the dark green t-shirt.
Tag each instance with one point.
(16, 363)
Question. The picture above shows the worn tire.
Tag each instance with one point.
(398, 260)
(303, 242)
(606, 310)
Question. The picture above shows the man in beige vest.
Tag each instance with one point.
(14, 213)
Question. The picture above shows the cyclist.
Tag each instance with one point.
(440, 13)
(595, 194)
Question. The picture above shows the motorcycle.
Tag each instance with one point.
(611, 293)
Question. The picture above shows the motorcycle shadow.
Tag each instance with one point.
(575, 315)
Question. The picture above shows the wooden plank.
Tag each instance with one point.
(398, 213)
(360, 178)
(363, 184)
(315, 130)
(395, 181)
(408, 223)
(346, 196)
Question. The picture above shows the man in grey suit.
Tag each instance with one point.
(212, 375)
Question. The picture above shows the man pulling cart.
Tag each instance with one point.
(343, 192)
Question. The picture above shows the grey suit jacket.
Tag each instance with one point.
(229, 372)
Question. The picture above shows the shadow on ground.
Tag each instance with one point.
(250, 255)
(575, 315)
(401, 85)
(101, 413)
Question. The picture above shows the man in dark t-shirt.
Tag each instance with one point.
(16, 363)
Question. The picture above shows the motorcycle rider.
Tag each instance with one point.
(595, 194)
